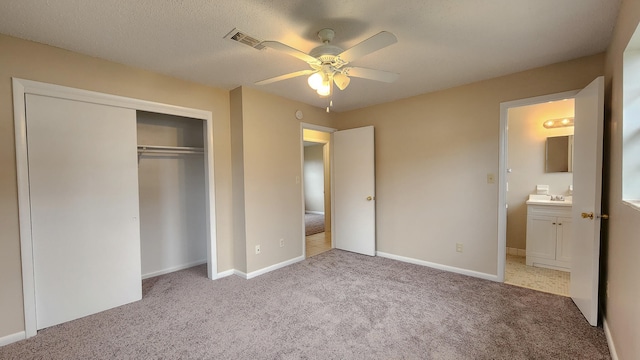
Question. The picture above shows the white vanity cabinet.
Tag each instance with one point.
(549, 234)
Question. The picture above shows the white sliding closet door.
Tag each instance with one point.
(83, 181)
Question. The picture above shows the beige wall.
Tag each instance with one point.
(28, 60)
(272, 165)
(622, 245)
(237, 167)
(433, 154)
(526, 159)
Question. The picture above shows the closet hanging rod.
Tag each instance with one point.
(170, 149)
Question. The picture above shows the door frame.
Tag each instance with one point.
(502, 178)
(326, 156)
(21, 87)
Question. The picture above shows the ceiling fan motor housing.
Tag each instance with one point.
(325, 52)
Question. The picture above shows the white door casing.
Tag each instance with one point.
(83, 180)
(354, 190)
(587, 196)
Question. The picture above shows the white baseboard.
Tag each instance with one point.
(438, 266)
(607, 334)
(240, 273)
(172, 269)
(314, 212)
(224, 274)
(517, 252)
(253, 274)
(6, 340)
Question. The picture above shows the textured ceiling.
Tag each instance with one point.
(441, 43)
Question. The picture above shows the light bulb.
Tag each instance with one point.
(548, 124)
(565, 121)
(324, 90)
(315, 81)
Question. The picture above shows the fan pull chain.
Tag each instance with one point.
(331, 91)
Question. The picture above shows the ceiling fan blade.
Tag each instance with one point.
(291, 51)
(285, 76)
(370, 74)
(374, 43)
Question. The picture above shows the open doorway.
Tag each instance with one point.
(538, 255)
(538, 198)
(573, 241)
(317, 191)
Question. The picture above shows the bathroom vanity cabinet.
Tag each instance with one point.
(549, 234)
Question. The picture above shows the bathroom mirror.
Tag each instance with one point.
(559, 154)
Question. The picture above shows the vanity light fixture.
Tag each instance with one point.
(556, 123)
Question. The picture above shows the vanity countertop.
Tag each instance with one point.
(547, 200)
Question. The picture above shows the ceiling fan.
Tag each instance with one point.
(328, 62)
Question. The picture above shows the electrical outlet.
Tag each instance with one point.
(491, 179)
(257, 249)
(458, 247)
(281, 242)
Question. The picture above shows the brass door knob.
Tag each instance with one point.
(590, 216)
(369, 198)
(587, 215)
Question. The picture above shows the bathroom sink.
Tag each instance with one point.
(557, 200)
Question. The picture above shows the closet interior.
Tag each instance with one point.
(171, 180)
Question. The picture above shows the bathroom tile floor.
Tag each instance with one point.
(318, 243)
(547, 280)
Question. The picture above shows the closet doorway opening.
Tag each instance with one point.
(172, 193)
(316, 188)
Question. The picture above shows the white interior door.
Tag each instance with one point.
(83, 182)
(587, 184)
(354, 227)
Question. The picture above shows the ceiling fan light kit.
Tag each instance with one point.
(315, 81)
(325, 89)
(341, 80)
(328, 62)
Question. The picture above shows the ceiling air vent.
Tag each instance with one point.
(244, 38)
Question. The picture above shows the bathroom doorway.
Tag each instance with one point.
(537, 256)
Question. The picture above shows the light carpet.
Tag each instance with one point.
(313, 224)
(336, 305)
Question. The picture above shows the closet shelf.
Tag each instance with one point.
(142, 149)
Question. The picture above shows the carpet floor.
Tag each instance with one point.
(313, 224)
(336, 305)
